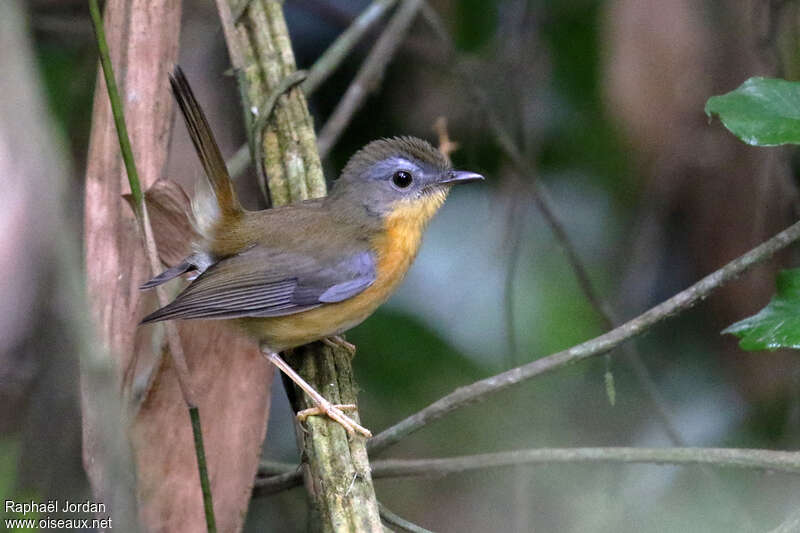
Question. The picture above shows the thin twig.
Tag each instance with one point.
(519, 486)
(330, 60)
(607, 316)
(480, 390)
(779, 461)
(239, 161)
(324, 66)
(146, 230)
(280, 482)
(772, 460)
(513, 243)
(268, 468)
(541, 199)
(394, 520)
(369, 75)
(685, 299)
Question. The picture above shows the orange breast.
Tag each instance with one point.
(396, 247)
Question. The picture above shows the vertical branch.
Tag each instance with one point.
(337, 474)
(336, 469)
(262, 56)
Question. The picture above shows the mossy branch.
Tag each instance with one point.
(337, 474)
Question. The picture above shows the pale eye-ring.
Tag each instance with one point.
(402, 179)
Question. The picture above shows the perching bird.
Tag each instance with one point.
(312, 270)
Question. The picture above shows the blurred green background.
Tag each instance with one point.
(604, 99)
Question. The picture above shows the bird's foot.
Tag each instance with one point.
(336, 413)
(338, 341)
(322, 406)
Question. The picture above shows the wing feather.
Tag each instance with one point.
(281, 284)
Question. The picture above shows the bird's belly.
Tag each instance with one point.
(396, 248)
(288, 331)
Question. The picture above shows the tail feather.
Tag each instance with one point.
(207, 149)
(168, 274)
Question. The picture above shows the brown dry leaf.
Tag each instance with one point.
(170, 210)
(171, 218)
(231, 379)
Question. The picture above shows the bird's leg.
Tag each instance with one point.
(323, 406)
(338, 341)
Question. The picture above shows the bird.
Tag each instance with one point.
(308, 271)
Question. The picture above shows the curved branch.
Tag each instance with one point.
(397, 521)
(540, 197)
(480, 390)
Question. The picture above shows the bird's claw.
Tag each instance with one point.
(336, 413)
(338, 341)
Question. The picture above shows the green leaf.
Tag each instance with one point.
(761, 112)
(778, 324)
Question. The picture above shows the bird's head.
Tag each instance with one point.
(398, 177)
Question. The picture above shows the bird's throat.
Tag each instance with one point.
(400, 240)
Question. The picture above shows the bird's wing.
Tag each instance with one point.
(260, 283)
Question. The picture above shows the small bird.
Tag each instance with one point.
(312, 270)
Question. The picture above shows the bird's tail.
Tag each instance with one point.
(227, 204)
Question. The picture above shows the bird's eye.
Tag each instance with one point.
(402, 179)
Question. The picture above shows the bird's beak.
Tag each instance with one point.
(461, 176)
